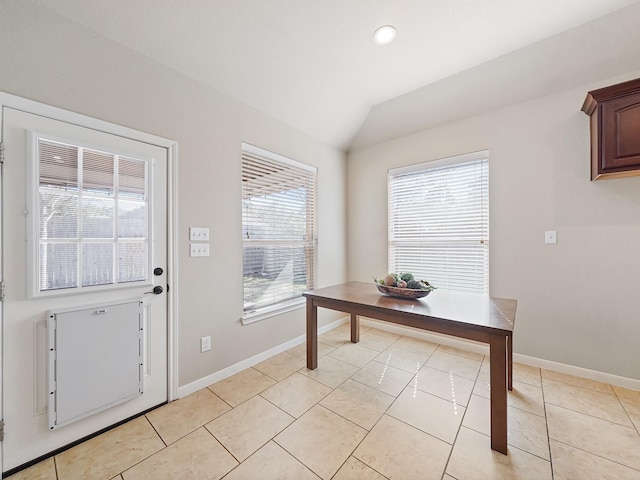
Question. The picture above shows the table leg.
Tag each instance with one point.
(312, 335)
(498, 380)
(510, 361)
(355, 328)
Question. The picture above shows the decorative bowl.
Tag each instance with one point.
(402, 292)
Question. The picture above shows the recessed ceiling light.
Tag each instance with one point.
(384, 35)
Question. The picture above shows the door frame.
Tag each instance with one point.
(171, 146)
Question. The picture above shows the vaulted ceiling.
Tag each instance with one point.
(312, 64)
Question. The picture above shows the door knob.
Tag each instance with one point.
(158, 289)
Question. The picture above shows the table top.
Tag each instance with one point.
(476, 310)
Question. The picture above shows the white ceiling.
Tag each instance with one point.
(313, 64)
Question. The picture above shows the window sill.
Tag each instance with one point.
(267, 312)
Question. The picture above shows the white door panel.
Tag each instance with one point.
(25, 331)
(1, 292)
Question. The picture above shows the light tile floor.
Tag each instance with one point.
(392, 407)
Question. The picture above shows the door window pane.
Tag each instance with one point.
(58, 215)
(132, 261)
(132, 219)
(97, 264)
(132, 178)
(58, 266)
(97, 172)
(97, 217)
(58, 165)
(93, 217)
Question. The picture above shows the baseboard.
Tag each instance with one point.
(469, 345)
(477, 347)
(603, 377)
(251, 361)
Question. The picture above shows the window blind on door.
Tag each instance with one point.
(93, 225)
(278, 228)
(439, 222)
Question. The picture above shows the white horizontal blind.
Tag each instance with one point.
(278, 228)
(439, 222)
(93, 224)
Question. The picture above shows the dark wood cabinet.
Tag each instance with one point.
(615, 130)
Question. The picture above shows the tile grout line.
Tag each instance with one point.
(588, 381)
(155, 430)
(226, 449)
(166, 445)
(153, 454)
(455, 438)
(258, 393)
(55, 467)
(632, 427)
(296, 458)
(597, 455)
(546, 423)
(624, 409)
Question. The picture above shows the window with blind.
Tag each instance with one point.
(92, 217)
(278, 230)
(439, 222)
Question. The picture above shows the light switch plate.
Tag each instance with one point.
(198, 234)
(205, 344)
(550, 236)
(198, 249)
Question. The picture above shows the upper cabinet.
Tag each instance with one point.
(615, 130)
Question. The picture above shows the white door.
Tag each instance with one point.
(63, 270)
(1, 291)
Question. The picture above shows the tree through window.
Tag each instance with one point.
(278, 228)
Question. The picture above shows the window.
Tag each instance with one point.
(278, 230)
(92, 217)
(439, 222)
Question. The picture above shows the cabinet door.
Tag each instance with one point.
(620, 134)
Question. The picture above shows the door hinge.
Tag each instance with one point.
(1, 152)
(1, 291)
(1, 430)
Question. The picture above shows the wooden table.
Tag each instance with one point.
(484, 319)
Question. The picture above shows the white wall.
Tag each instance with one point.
(46, 58)
(578, 301)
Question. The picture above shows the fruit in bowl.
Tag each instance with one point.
(403, 285)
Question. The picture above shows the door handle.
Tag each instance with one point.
(157, 290)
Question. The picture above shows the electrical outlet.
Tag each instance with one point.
(205, 344)
(199, 250)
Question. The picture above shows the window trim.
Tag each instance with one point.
(262, 313)
(32, 210)
(431, 165)
(441, 162)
